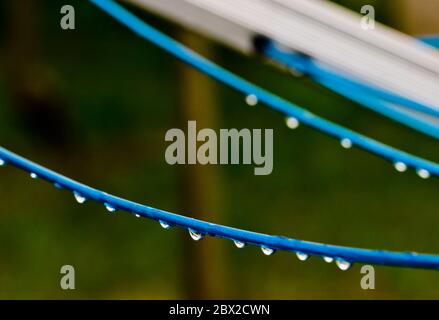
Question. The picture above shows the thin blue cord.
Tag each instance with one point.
(432, 40)
(281, 105)
(366, 95)
(352, 93)
(341, 255)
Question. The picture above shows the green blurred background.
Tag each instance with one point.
(95, 104)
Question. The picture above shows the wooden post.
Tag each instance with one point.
(200, 187)
(418, 17)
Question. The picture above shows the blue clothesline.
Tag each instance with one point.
(343, 256)
(432, 40)
(369, 96)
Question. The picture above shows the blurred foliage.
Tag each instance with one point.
(120, 96)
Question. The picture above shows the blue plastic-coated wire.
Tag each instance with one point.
(343, 256)
(432, 40)
(369, 96)
(183, 53)
(352, 93)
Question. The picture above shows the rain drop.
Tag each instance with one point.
(400, 166)
(2, 162)
(109, 207)
(302, 256)
(292, 122)
(346, 143)
(342, 264)
(251, 100)
(33, 175)
(79, 198)
(424, 174)
(165, 225)
(267, 251)
(328, 259)
(239, 244)
(137, 215)
(195, 235)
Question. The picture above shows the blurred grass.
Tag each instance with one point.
(121, 98)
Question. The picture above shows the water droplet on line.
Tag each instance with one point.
(33, 175)
(137, 215)
(267, 251)
(239, 244)
(342, 264)
(328, 259)
(78, 197)
(251, 100)
(165, 225)
(424, 174)
(2, 162)
(195, 235)
(109, 207)
(400, 166)
(301, 256)
(292, 122)
(346, 143)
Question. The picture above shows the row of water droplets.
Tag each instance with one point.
(341, 263)
(346, 143)
(196, 235)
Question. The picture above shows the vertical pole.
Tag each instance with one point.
(418, 16)
(200, 186)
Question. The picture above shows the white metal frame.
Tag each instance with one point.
(329, 33)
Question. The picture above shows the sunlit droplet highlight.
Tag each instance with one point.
(267, 251)
(328, 259)
(109, 207)
(342, 264)
(239, 244)
(79, 197)
(195, 235)
(301, 256)
(400, 166)
(346, 143)
(292, 123)
(251, 100)
(164, 224)
(424, 174)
